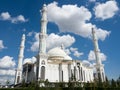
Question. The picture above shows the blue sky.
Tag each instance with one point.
(69, 23)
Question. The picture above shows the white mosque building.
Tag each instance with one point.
(54, 65)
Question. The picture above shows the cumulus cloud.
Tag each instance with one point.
(71, 18)
(73, 49)
(7, 72)
(68, 51)
(76, 52)
(7, 62)
(101, 34)
(29, 60)
(31, 33)
(1, 45)
(53, 40)
(19, 18)
(7, 69)
(91, 56)
(106, 10)
(35, 43)
(7, 17)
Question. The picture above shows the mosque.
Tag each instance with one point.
(55, 65)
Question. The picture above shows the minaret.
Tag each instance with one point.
(99, 65)
(42, 57)
(43, 32)
(18, 76)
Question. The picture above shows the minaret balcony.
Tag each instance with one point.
(42, 35)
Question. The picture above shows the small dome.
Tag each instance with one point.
(58, 52)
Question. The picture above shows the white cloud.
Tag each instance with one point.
(101, 34)
(71, 18)
(78, 54)
(7, 72)
(6, 16)
(29, 60)
(35, 46)
(19, 18)
(106, 10)
(7, 69)
(35, 43)
(91, 56)
(7, 62)
(1, 45)
(68, 51)
(92, 0)
(73, 49)
(31, 33)
(53, 40)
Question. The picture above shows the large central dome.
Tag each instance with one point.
(58, 53)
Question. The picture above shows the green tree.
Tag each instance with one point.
(46, 83)
(0, 84)
(113, 83)
(23, 83)
(7, 82)
(107, 83)
(118, 82)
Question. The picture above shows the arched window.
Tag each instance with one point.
(74, 73)
(69, 71)
(43, 62)
(18, 73)
(43, 73)
(62, 75)
(103, 76)
(79, 73)
(18, 79)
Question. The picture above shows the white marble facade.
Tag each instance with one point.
(58, 68)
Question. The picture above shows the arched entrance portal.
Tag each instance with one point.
(42, 73)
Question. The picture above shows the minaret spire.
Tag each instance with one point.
(99, 65)
(42, 57)
(96, 47)
(43, 32)
(18, 77)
